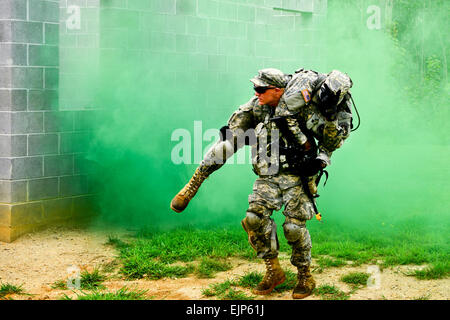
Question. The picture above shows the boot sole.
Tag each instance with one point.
(264, 292)
(300, 296)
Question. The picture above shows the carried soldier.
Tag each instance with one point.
(293, 124)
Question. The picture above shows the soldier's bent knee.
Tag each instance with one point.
(253, 220)
(293, 232)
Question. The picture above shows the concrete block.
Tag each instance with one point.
(13, 145)
(46, 11)
(186, 7)
(21, 31)
(43, 100)
(26, 214)
(186, 43)
(13, 100)
(246, 13)
(197, 25)
(21, 77)
(59, 165)
(13, 9)
(58, 121)
(43, 55)
(13, 54)
(27, 122)
(208, 8)
(83, 165)
(58, 209)
(20, 168)
(164, 6)
(45, 188)
(74, 142)
(123, 4)
(5, 216)
(73, 185)
(43, 144)
(51, 33)
(5, 122)
(176, 24)
(51, 78)
(119, 18)
(86, 120)
(228, 10)
(12, 192)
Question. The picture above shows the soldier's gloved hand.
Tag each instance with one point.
(313, 167)
(328, 101)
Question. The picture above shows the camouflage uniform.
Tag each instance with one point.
(277, 186)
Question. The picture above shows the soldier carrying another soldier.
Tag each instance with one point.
(282, 123)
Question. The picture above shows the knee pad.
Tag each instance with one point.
(253, 221)
(292, 231)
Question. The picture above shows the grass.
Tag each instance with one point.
(327, 262)
(356, 279)
(209, 266)
(151, 254)
(121, 294)
(438, 270)
(330, 292)
(88, 281)
(138, 268)
(8, 289)
(226, 291)
(92, 280)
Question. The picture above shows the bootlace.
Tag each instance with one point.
(194, 184)
(269, 273)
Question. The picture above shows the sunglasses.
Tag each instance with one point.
(262, 89)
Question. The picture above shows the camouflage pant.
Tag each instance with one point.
(271, 193)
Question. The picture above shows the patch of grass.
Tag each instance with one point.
(189, 244)
(327, 262)
(91, 280)
(7, 289)
(250, 280)
(355, 279)
(121, 294)
(226, 291)
(439, 270)
(209, 266)
(88, 281)
(152, 269)
(330, 292)
(59, 285)
(116, 242)
(109, 267)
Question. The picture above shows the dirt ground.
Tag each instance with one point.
(36, 261)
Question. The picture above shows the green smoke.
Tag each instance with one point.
(393, 170)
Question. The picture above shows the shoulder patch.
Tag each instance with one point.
(306, 95)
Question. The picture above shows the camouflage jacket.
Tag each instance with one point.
(299, 106)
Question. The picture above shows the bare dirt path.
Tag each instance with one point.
(36, 261)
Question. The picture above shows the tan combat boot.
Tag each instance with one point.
(274, 276)
(305, 285)
(181, 200)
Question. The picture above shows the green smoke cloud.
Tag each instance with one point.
(392, 170)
